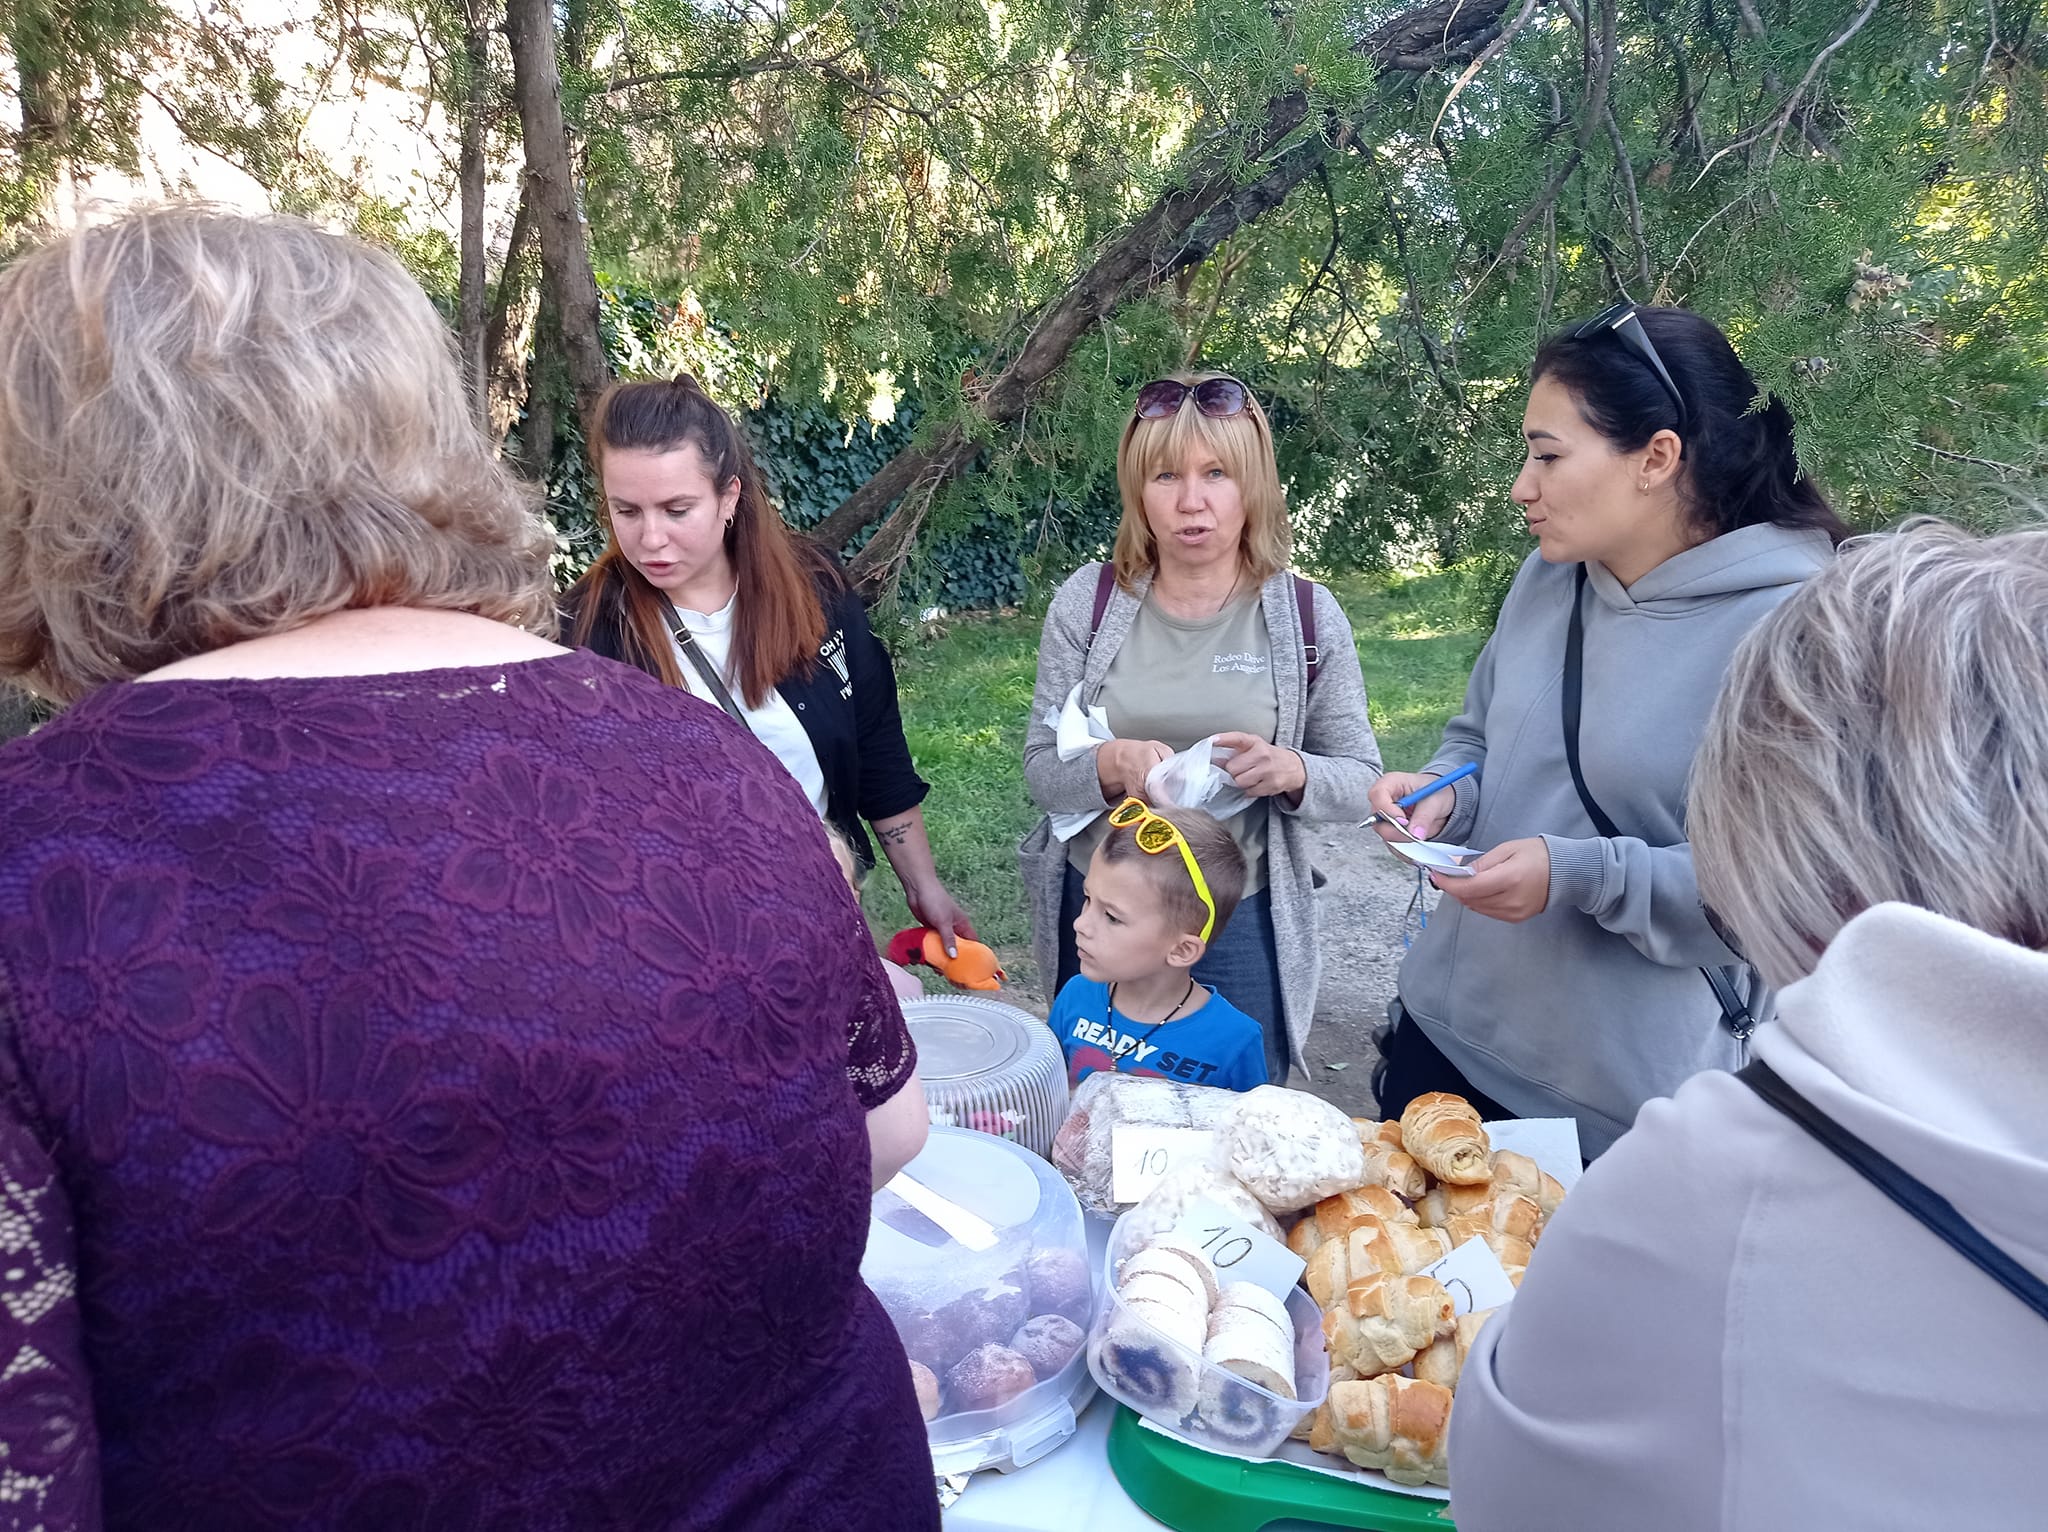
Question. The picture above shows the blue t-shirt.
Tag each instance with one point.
(1218, 1045)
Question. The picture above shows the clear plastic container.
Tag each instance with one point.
(1176, 1388)
(950, 1301)
(988, 1066)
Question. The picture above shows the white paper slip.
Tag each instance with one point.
(1552, 1142)
(1446, 861)
(1140, 1156)
(1472, 1275)
(1240, 1252)
(969, 1229)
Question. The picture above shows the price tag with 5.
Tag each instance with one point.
(1140, 1156)
(1239, 1251)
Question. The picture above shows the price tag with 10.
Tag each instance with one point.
(1239, 1251)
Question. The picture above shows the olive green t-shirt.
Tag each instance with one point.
(1179, 681)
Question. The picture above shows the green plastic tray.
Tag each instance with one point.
(1196, 1491)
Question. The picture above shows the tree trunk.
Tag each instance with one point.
(1179, 230)
(551, 187)
(505, 342)
(476, 52)
(537, 433)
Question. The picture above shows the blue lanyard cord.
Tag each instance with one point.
(1417, 911)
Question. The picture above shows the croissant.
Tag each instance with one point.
(1444, 1134)
(1387, 1163)
(1444, 1358)
(1315, 1428)
(1398, 1425)
(1372, 1245)
(1441, 1203)
(1335, 1217)
(1386, 1321)
(1511, 1249)
(1521, 1175)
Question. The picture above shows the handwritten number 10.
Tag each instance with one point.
(1229, 1252)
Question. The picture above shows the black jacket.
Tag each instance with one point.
(845, 700)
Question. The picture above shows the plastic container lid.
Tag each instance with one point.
(990, 1067)
(948, 1298)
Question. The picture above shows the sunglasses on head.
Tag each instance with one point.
(1625, 324)
(1155, 835)
(1218, 398)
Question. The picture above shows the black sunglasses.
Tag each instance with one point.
(1622, 321)
(1218, 398)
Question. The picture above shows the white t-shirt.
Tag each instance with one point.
(774, 722)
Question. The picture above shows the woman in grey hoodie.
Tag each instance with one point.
(1575, 973)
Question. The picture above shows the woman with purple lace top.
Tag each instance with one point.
(436, 1068)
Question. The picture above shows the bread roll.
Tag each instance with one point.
(1386, 1320)
(1519, 1174)
(1443, 1359)
(1372, 1245)
(1444, 1134)
(1387, 1164)
(1398, 1425)
(1509, 1249)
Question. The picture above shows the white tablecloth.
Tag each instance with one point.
(1069, 1490)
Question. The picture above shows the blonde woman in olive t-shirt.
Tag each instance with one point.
(1201, 634)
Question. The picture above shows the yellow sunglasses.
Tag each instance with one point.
(1153, 836)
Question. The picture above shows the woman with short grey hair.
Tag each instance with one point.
(1816, 1293)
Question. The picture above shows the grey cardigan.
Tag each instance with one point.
(1327, 728)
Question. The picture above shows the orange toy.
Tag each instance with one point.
(974, 968)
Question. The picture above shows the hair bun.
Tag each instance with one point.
(687, 380)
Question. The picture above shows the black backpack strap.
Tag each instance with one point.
(1735, 1012)
(1915, 1196)
(1305, 603)
(1105, 586)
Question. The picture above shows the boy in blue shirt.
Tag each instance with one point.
(1158, 891)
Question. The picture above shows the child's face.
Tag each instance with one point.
(1121, 933)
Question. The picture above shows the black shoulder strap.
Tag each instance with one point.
(1735, 1013)
(1918, 1199)
(1305, 603)
(1105, 586)
(701, 663)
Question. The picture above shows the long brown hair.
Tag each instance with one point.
(779, 622)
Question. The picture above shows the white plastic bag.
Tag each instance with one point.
(1194, 778)
(1083, 1148)
(1077, 731)
(1291, 1149)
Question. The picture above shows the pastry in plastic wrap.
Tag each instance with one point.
(1081, 1150)
(988, 1376)
(1166, 1276)
(1061, 1283)
(935, 1339)
(1291, 1149)
(1231, 1414)
(1048, 1342)
(1157, 1373)
(1178, 1191)
(927, 1386)
(986, 1316)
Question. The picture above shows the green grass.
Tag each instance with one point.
(966, 695)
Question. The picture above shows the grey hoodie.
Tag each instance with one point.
(1597, 1004)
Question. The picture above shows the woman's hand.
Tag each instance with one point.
(1424, 820)
(1511, 882)
(1262, 769)
(931, 905)
(909, 850)
(1121, 765)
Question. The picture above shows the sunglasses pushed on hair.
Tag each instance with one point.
(1153, 836)
(1625, 323)
(1218, 398)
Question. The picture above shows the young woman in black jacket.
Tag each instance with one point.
(702, 586)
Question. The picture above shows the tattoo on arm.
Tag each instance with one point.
(895, 835)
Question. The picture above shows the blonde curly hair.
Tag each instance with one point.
(216, 427)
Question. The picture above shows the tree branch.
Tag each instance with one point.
(1869, 10)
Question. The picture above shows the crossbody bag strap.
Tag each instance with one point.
(1105, 587)
(1735, 1012)
(700, 662)
(1916, 1197)
(1305, 603)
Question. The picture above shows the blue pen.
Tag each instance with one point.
(1470, 768)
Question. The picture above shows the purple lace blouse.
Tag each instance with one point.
(436, 1101)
